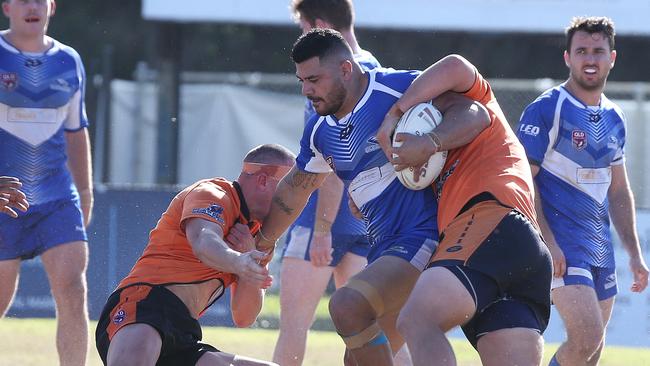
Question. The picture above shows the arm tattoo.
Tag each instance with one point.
(283, 206)
(301, 179)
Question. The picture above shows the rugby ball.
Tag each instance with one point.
(418, 120)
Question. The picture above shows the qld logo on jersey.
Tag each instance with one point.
(8, 81)
(215, 211)
(579, 139)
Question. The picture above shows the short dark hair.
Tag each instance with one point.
(339, 13)
(321, 43)
(591, 25)
(272, 154)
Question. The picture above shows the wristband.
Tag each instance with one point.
(435, 140)
(261, 234)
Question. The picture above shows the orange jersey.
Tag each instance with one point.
(168, 257)
(493, 162)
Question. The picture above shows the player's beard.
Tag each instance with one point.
(333, 101)
(597, 84)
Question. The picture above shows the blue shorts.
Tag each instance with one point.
(299, 240)
(416, 248)
(601, 279)
(42, 227)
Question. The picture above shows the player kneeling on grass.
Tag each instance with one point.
(152, 316)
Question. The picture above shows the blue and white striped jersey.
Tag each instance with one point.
(345, 223)
(575, 146)
(349, 147)
(41, 96)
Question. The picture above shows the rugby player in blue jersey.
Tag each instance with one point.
(351, 103)
(326, 239)
(44, 143)
(574, 138)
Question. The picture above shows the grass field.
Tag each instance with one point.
(30, 342)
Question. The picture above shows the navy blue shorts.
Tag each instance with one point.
(299, 240)
(41, 228)
(578, 272)
(502, 261)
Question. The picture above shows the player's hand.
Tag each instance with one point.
(386, 130)
(559, 261)
(240, 238)
(320, 248)
(640, 272)
(249, 269)
(11, 198)
(354, 208)
(414, 151)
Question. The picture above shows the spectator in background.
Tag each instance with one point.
(151, 318)
(11, 197)
(326, 238)
(574, 138)
(44, 143)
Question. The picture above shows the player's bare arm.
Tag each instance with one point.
(290, 198)
(79, 163)
(622, 212)
(246, 298)
(452, 73)
(559, 261)
(208, 245)
(320, 249)
(463, 120)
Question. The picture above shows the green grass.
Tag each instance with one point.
(30, 342)
(272, 306)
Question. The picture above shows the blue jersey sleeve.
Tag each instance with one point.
(310, 159)
(533, 131)
(77, 118)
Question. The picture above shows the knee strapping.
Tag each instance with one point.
(370, 293)
(373, 336)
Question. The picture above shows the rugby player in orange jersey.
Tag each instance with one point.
(491, 273)
(152, 316)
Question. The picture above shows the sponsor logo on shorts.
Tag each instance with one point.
(455, 248)
(119, 316)
(610, 281)
(579, 139)
(215, 211)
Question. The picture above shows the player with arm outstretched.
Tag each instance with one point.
(152, 317)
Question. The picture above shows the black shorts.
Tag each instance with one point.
(500, 257)
(161, 309)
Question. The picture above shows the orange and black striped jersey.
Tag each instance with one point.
(494, 162)
(168, 257)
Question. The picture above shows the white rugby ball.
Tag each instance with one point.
(418, 120)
